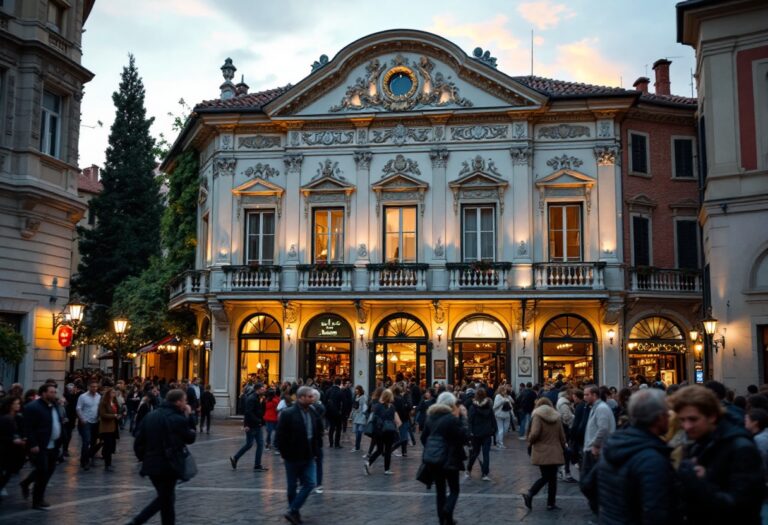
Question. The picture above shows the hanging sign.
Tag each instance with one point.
(65, 336)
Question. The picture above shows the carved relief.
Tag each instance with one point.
(363, 159)
(439, 157)
(439, 248)
(478, 164)
(292, 254)
(362, 250)
(521, 155)
(563, 131)
(203, 193)
(295, 139)
(329, 169)
(30, 227)
(479, 132)
(519, 130)
(226, 142)
(259, 142)
(522, 249)
(606, 155)
(224, 167)
(564, 162)
(362, 136)
(328, 138)
(401, 165)
(293, 162)
(604, 130)
(265, 171)
(400, 134)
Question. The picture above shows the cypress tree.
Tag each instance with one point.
(127, 231)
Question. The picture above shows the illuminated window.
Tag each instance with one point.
(328, 235)
(260, 237)
(565, 232)
(479, 223)
(400, 234)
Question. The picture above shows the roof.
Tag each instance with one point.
(250, 101)
(87, 184)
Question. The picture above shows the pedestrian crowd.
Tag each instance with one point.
(648, 453)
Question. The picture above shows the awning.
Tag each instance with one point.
(152, 347)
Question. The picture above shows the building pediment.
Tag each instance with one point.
(328, 186)
(566, 178)
(399, 71)
(478, 187)
(257, 186)
(402, 188)
(640, 202)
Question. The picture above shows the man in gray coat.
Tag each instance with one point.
(600, 425)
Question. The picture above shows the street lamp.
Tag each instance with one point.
(524, 335)
(361, 333)
(72, 314)
(439, 333)
(120, 325)
(611, 334)
(710, 327)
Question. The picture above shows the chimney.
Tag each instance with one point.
(228, 71)
(91, 173)
(241, 88)
(661, 68)
(641, 84)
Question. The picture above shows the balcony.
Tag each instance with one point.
(190, 283)
(479, 275)
(661, 280)
(569, 275)
(325, 277)
(247, 278)
(397, 276)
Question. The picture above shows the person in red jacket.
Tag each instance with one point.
(270, 415)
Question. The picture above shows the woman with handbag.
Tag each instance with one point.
(444, 435)
(370, 420)
(502, 409)
(386, 431)
(109, 416)
(359, 415)
(546, 438)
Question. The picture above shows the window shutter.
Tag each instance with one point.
(641, 240)
(684, 158)
(687, 244)
(639, 159)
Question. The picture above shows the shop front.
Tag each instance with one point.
(160, 359)
(480, 352)
(657, 350)
(567, 347)
(259, 350)
(326, 349)
(400, 351)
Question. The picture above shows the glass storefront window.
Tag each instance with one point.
(568, 349)
(656, 350)
(400, 351)
(259, 351)
(480, 351)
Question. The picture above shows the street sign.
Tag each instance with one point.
(65, 336)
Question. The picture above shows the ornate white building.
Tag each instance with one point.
(407, 209)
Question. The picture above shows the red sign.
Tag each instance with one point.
(65, 336)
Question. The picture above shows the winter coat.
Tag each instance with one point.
(454, 431)
(208, 401)
(164, 428)
(565, 407)
(346, 402)
(421, 412)
(546, 437)
(482, 420)
(600, 425)
(108, 418)
(498, 403)
(636, 482)
(360, 414)
(38, 424)
(254, 411)
(403, 408)
(333, 403)
(732, 489)
(527, 401)
(11, 455)
(291, 435)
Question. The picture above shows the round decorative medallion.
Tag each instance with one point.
(400, 83)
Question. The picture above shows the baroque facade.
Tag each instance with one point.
(409, 210)
(41, 86)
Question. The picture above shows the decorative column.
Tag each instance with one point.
(437, 253)
(222, 373)
(221, 221)
(290, 223)
(362, 218)
(519, 234)
(607, 196)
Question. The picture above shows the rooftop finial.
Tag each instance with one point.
(228, 71)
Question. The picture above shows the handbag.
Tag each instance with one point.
(424, 475)
(370, 425)
(181, 460)
(389, 427)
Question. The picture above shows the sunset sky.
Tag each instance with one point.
(181, 44)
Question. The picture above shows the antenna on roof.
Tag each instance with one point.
(692, 77)
(531, 52)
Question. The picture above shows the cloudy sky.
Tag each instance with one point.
(181, 44)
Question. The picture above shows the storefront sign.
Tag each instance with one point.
(65, 336)
(328, 327)
(699, 375)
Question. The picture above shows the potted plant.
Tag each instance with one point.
(12, 345)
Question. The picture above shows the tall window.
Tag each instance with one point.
(400, 234)
(683, 158)
(329, 235)
(641, 241)
(687, 241)
(479, 233)
(50, 124)
(55, 16)
(565, 232)
(260, 237)
(205, 245)
(638, 154)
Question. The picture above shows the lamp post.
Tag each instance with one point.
(121, 325)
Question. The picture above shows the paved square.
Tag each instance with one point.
(220, 495)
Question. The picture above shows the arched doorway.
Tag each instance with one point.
(656, 346)
(480, 351)
(567, 348)
(401, 351)
(326, 348)
(259, 350)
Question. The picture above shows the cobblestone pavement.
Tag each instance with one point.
(219, 495)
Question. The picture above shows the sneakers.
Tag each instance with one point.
(486, 478)
(522, 438)
(365, 456)
(388, 472)
(233, 462)
(319, 489)
(527, 500)
(500, 447)
(356, 450)
(41, 505)
(259, 468)
(367, 468)
(467, 475)
(398, 454)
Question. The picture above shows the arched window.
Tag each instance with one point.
(260, 344)
(479, 351)
(400, 350)
(656, 350)
(326, 348)
(568, 350)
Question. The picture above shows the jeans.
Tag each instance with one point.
(271, 426)
(319, 467)
(359, 429)
(383, 447)
(110, 445)
(525, 419)
(445, 503)
(44, 464)
(164, 502)
(88, 437)
(254, 434)
(588, 462)
(549, 478)
(205, 419)
(503, 424)
(478, 444)
(404, 436)
(295, 471)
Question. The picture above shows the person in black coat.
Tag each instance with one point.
(447, 426)
(299, 438)
(482, 427)
(578, 427)
(721, 473)
(12, 455)
(207, 402)
(170, 427)
(636, 483)
(334, 407)
(42, 430)
(253, 423)
(346, 405)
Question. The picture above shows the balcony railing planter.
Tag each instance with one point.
(252, 277)
(323, 276)
(575, 275)
(189, 282)
(396, 276)
(652, 279)
(478, 274)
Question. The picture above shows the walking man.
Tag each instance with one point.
(600, 425)
(88, 423)
(334, 407)
(42, 428)
(299, 438)
(161, 435)
(253, 421)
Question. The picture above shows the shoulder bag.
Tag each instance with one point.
(181, 460)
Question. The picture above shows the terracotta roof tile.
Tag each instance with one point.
(255, 100)
(562, 88)
(87, 184)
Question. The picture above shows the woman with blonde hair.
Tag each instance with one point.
(109, 415)
(546, 438)
(386, 425)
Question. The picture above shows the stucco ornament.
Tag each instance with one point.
(439, 248)
(401, 165)
(563, 131)
(292, 252)
(330, 169)
(362, 250)
(429, 88)
(478, 164)
(484, 57)
(265, 171)
(564, 162)
(606, 155)
(328, 138)
(258, 142)
(479, 132)
(400, 134)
